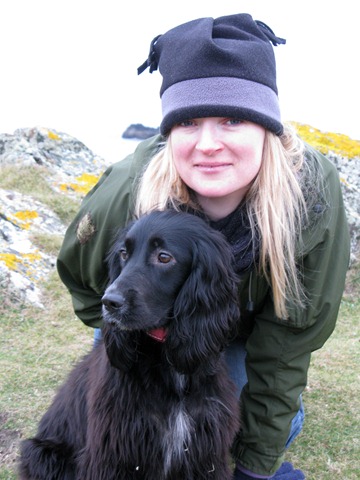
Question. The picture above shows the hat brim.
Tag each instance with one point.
(220, 97)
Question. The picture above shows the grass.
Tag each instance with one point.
(329, 446)
(39, 347)
(33, 181)
(47, 243)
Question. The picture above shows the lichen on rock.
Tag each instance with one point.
(71, 170)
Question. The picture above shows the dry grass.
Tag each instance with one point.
(34, 181)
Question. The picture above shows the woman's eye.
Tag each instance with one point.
(234, 121)
(123, 254)
(186, 123)
(164, 257)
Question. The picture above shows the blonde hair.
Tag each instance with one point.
(160, 185)
(275, 204)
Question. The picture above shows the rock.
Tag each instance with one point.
(22, 264)
(349, 173)
(57, 151)
(70, 169)
(139, 132)
(344, 153)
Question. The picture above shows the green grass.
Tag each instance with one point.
(329, 446)
(39, 347)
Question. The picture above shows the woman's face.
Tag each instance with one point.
(218, 158)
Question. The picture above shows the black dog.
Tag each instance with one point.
(153, 401)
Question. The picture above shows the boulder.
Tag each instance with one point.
(69, 170)
(137, 131)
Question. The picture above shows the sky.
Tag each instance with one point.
(71, 65)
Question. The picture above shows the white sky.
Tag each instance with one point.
(71, 64)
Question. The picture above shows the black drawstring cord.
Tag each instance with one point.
(151, 61)
(250, 303)
(270, 34)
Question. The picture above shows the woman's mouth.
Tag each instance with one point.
(212, 166)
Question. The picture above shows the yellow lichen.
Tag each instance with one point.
(327, 142)
(24, 218)
(53, 135)
(16, 261)
(84, 183)
(26, 215)
(10, 259)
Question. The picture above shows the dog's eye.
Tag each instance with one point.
(164, 257)
(123, 254)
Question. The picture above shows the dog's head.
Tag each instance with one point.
(171, 278)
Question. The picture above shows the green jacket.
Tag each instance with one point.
(278, 351)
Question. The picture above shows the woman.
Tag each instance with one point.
(224, 154)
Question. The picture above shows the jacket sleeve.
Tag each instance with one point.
(279, 351)
(107, 207)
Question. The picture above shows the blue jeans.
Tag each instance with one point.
(97, 336)
(235, 358)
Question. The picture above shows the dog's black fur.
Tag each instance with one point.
(137, 408)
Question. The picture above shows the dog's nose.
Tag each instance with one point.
(112, 301)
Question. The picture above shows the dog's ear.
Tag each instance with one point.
(206, 309)
(121, 347)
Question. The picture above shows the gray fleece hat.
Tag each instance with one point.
(223, 67)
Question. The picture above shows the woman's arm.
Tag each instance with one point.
(107, 207)
(278, 351)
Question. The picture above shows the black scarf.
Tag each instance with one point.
(237, 230)
(245, 247)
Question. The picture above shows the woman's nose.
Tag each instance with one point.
(208, 141)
